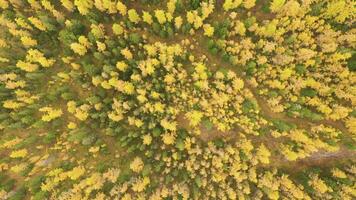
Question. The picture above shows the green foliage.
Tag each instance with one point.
(351, 63)
(135, 38)
(308, 92)
(19, 194)
(282, 125)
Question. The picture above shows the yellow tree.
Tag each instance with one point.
(78, 49)
(340, 10)
(28, 41)
(4, 4)
(194, 117)
(50, 113)
(161, 16)
(137, 165)
(84, 6)
(117, 29)
(146, 17)
(231, 4)
(37, 23)
(276, 5)
(208, 30)
(249, 3)
(68, 4)
(134, 16)
(121, 8)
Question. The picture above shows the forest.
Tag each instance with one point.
(177, 99)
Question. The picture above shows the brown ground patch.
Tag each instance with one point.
(320, 158)
(257, 11)
(206, 134)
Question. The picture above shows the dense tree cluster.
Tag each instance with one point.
(177, 99)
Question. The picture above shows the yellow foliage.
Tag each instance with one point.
(97, 30)
(4, 4)
(208, 30)
(37, 23)
(84, 6)
(134, 16)
(76, 172)
(137, 165)
(28, 67)
(28, 42)
(127, 53)
(178, 21)
(161, 17)
(10, 104)
(18, 168)
(84, 41)
(340, 10)
(11, 143)
(168, 138)
(319, 185)
(82, 112)
(171, 6)
(19, 153)
(112, 174)
(101, 46)
(249, 3)
(338, 173)
(68, 4)
(50, 113)
(172, 126)
(72, 125)
(146, 17)
(351, 125)
(121, 8)
(263, 154)
(122, 66)
(117, 29)
(276, 5)
(286, 73)
(231, 4)
(128, 88)
(78, 49)
(141, 184)
(147, 139)
(194, 117)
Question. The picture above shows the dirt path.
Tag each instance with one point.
(320, 158)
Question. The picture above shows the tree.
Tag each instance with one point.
(78, 49)
(208, 30)
(249, 3)
(83, 6)
(340, 10)
(171, 6)
(276, 5)
(28, 41)
(50, 113)
(117, 29)
(178, 21)
(37, 23)
(121, 8)
(134, 16)
(161, 16)
(146, 17)
(4, 4)
(231, 4)
(194, 117)
(137, 165)
(127, 53)
(68, 4)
